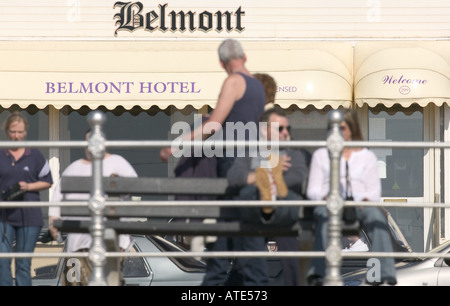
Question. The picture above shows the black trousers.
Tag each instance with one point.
(239, 271)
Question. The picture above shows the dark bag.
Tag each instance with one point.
(13, 193)
(349, 214)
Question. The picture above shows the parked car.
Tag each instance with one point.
(142, 271)
(156, 271)
(187, 271)
(433, 271)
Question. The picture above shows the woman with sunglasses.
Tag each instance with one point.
(359, 179)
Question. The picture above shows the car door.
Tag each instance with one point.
(444, 272)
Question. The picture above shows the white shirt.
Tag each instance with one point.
(113, 164)
(363, 173)
(358, 246)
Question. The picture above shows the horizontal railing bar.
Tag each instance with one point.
(46, 255)
(224, 203)
(399, 204)
(215, 143)
(180, 203)
(226, 144)
(158, 144)
(305, 254)
(397, 144)
(43, 204)
(281, 144)
(44, 144)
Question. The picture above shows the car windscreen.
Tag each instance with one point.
(187, 264)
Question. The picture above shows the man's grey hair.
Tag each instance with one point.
(230, 49)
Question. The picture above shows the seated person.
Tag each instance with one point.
(283, 181)
(113, 165)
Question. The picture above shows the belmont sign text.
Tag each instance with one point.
(132, 17)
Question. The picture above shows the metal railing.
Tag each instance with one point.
(335, 203)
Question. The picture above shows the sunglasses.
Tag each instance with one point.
(281, 128)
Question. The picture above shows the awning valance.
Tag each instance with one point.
(404, 73)
(165, 73)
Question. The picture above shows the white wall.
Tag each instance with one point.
(282, 19)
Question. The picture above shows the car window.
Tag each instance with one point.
(187, 264)
(135, 267)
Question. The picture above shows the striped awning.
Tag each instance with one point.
(165, 73)
(402, 73)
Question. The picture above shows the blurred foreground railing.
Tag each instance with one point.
(335, 204)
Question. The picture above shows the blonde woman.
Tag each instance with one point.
(24, 172)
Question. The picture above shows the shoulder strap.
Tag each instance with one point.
(348, 187)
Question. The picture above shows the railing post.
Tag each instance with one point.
(96, 148)
(335, 202)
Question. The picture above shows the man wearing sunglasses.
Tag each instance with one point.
(283, 181)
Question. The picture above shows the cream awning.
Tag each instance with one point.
(402, 73)
(314, 73)
(165, 73)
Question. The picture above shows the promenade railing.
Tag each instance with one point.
(335, 204)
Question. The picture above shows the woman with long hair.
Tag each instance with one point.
(360, 181)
